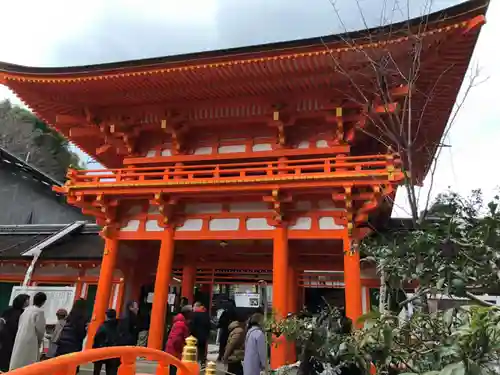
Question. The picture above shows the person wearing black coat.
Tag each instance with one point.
(106, 336)
(227, 317)
(200, 326)
(74, 331)
(129, 324)
(9, 321)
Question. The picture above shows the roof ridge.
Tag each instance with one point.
(21, 163)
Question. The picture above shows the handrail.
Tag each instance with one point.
(372, 164)
(67, 364)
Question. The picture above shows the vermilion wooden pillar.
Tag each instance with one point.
(162, 283)
(104, 286)
(188, 280)
(293, 289)
(352, 281)
(280, 291)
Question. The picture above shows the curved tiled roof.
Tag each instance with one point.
(273, 70)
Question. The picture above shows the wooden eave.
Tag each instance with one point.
(276, 71)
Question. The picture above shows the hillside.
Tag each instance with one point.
(24, 135)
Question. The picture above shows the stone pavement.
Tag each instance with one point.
(148, 367)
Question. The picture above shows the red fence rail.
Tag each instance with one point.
(355, 166)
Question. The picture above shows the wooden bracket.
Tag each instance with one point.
(166, 206)
(278, 205)
(108, 209)
(176, 132)
(349, 210)
(280, 121)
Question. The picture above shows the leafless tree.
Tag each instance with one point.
(398, 80)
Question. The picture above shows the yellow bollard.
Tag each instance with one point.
(190, 357)
(211, 369)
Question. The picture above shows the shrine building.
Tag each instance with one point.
(253, 164)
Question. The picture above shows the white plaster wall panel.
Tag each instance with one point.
(83, 293)
(328, 223)
(258, 224)
(166, 152)
(153, 209)
(151, 154)
(153, 226)
(262, 147)
(203, 151)
(132, 226)
(364, 301)
(249, 207)
(115, 296)
(321, 143)
(232, 149)
(191, 225)
(203, 208)
(303, 206)
(303, 144)
(327, 205)
(218, 225)
(302, 223)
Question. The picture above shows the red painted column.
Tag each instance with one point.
(352, 281)
(104, 287)
(293, 289)
(162, 283)
(188, 280)
(280, 291)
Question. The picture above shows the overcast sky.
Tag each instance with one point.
(61, 33)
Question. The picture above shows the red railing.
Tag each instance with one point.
(355, 166)
(68, 364)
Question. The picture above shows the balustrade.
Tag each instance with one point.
(68, 364)
(346, 166)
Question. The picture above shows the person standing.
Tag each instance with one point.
(106, 336)
(200, 327)
(178, 335)
(74, 331)
(9, 321)
(227, 317)
(235, 348)
(61, 315)
(129, 324)
(30, 334)
(255, 359)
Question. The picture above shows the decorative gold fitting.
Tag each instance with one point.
(211, 368)
(338, 111)
(189, 353)
(276, 115)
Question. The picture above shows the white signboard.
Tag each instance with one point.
(170, 301)
(247, 300)
(58, 297)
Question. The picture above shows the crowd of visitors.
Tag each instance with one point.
(23, 328)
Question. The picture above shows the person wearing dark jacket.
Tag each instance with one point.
(227, 317)
(74, 331)
(129, 324)
(178, 335)
(9, 321)
(107, 335)
(200, 327)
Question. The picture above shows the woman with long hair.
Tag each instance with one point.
(74, 331)
(9, 322)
